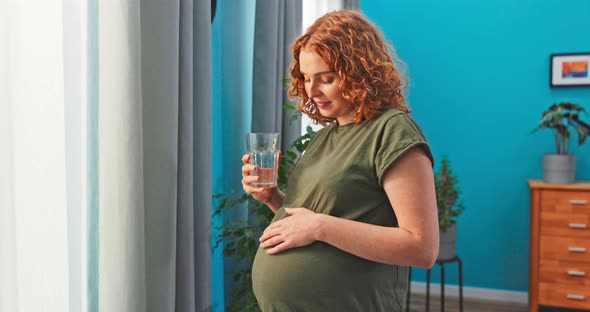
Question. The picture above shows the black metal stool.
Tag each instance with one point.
(441, 263)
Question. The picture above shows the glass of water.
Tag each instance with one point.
(264, 151)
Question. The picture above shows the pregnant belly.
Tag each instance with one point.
(319, 273)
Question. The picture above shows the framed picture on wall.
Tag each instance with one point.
(570, 70)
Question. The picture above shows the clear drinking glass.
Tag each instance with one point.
(264, 154)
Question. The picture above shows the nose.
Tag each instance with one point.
(313, 90)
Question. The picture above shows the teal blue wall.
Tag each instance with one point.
(233, 52)
(479, 75)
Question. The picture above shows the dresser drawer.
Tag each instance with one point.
(564, 248)
(565, 224)
(564, 296)
(565, 202)
(560, 245)
(565, 272)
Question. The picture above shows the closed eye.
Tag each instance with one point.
(327, 80)
(325, 77)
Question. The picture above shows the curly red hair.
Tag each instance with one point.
(357, 51)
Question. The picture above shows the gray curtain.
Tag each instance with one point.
(277, 25)
(193, 220)
(177, 123)
(154, 155)
(199, 163)
(351, 4)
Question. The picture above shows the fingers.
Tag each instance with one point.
(270, 231)
(278, 248)
(273, 238)
(247, 168)
(251, 190)
(246, 158)
(272, 241)
(249, 179)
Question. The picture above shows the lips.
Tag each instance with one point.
(322, 104)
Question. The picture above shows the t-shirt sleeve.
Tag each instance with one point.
(400, 133)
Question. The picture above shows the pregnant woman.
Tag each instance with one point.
(361, 205)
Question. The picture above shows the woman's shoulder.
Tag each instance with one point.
(391, 115)
(393, 120)
(391, 112)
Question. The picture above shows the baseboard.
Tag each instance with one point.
(473, 292)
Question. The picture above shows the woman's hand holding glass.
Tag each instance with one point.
(270, 196)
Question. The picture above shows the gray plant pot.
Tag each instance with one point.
(559, 169)
(448, 243)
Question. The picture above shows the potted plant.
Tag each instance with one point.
(560, 168)
(450, 206)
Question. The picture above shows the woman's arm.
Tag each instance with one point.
(409, 185)
(276, 200)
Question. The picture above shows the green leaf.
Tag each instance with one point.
(559, 118)
(447, 190)
(291, 154)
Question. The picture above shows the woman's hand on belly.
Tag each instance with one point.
(299, 228)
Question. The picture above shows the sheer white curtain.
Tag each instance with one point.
(121, 220)
(105, 155)
(41, 194)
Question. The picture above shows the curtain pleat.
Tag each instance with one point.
(202, 150)
(278, 24)
(92, 158)
(159, 77)
(122, 264)
(185, 253)
(34, 272)
(8, 291)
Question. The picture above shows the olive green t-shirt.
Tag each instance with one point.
(340, 174)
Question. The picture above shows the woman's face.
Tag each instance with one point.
(321, 86)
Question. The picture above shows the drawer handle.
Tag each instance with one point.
(575, 297)
(578, 225)
(576, 249)
(576, 273)
(578, 202)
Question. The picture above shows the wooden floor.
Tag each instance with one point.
(418, 304)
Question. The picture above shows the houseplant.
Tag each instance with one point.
(560, 168)
(450, 206)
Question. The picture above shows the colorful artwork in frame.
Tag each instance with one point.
(570, 70)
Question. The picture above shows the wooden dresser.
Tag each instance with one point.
(560, 245)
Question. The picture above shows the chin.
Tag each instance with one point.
(325, 113)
